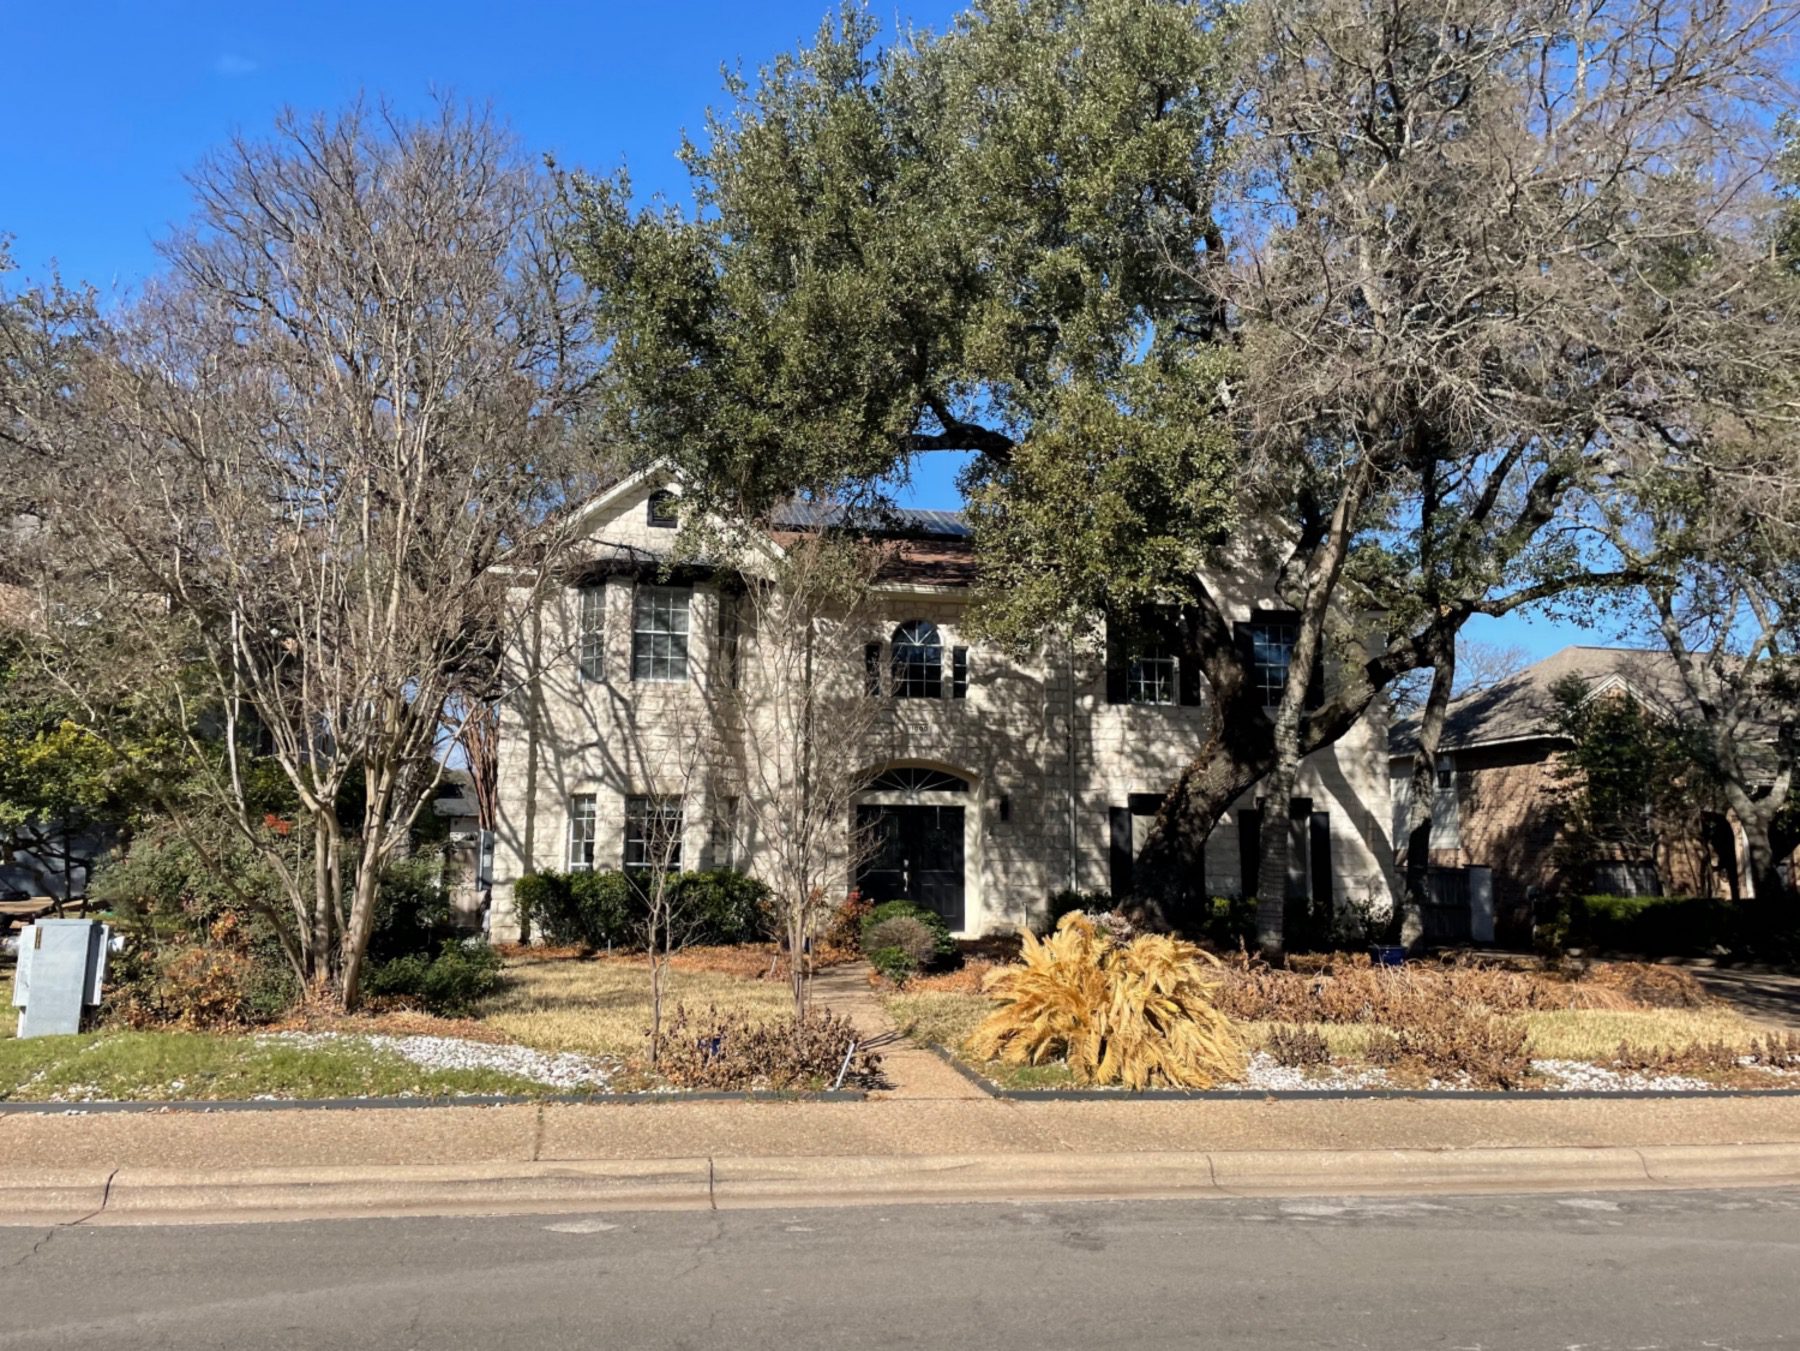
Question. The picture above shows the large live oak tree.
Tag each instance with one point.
(1370, 297)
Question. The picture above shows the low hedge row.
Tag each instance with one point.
(1660, 926)
(608, 909)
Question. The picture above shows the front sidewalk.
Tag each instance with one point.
(146, 1167)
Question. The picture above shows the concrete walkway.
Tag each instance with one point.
(191, 1167)
(912, 1073)
(1766, 996)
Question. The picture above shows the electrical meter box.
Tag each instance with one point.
(62, 965)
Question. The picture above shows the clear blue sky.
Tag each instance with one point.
(106, 105)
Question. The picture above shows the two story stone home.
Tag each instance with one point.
(992, 782)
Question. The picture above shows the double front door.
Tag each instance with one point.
(912, 853)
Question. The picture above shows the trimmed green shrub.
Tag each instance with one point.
(910, 934)
(608, 909)
(413, 913)
(896, 964)
(729, 906)
(1653, 926)
(449, 984)
(944, 945)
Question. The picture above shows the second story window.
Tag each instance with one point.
(590, 653)
(663, 510)
(659, 633)
(1271, 652)
(918, 661)
(1150, 678)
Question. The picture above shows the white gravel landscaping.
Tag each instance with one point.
(1266, 1075)
(1570, 1076)
(554, 1069)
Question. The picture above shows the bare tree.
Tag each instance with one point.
(656, 828)
(299, 460)
(800, 718)
(1481, 247)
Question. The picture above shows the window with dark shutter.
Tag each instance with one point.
(1150, 677)
(1117, 676)
(872, 670)
(959, 673)
(918, 661)
(1266, 643)
(1249, 849)
(1120, 854)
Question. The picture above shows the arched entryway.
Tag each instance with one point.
(912, 839)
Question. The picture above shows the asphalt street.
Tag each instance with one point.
(1632, 1270)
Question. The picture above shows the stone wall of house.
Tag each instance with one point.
(1045, 755)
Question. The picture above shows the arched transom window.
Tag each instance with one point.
(918, 661)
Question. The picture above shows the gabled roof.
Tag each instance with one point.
(906, 522)
(1523, 707)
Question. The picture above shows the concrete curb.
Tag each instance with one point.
(207, 1105)
(178, 1196)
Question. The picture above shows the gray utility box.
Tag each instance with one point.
(62, 964)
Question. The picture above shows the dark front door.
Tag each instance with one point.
(913, 853)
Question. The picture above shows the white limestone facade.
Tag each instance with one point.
(1048, 780)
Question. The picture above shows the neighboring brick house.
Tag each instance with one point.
(1499, 799)
(995, 781)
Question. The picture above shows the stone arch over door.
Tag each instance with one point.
(916, 836)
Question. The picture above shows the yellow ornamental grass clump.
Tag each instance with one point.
(1138, 1014)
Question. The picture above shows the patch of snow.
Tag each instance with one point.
(555, 1069)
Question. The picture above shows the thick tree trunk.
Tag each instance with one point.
(1172, 882)
(319, 944)
(362, 920)
(1765, 872)
(1277, 836)
(1419, 808)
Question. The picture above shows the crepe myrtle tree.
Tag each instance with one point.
(293, 465)
(802, 716)
(1360, 297)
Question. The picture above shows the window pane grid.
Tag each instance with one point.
(591, 654)
(918, 661)
(1150, 679)
(653, 832)
(1271, 650)
(581, 832)
(659, 633)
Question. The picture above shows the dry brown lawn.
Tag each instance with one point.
(947, 1018)
(601, 1005)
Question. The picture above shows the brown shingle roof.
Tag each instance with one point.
(1522, 707)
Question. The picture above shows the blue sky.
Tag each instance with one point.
(107, 105)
